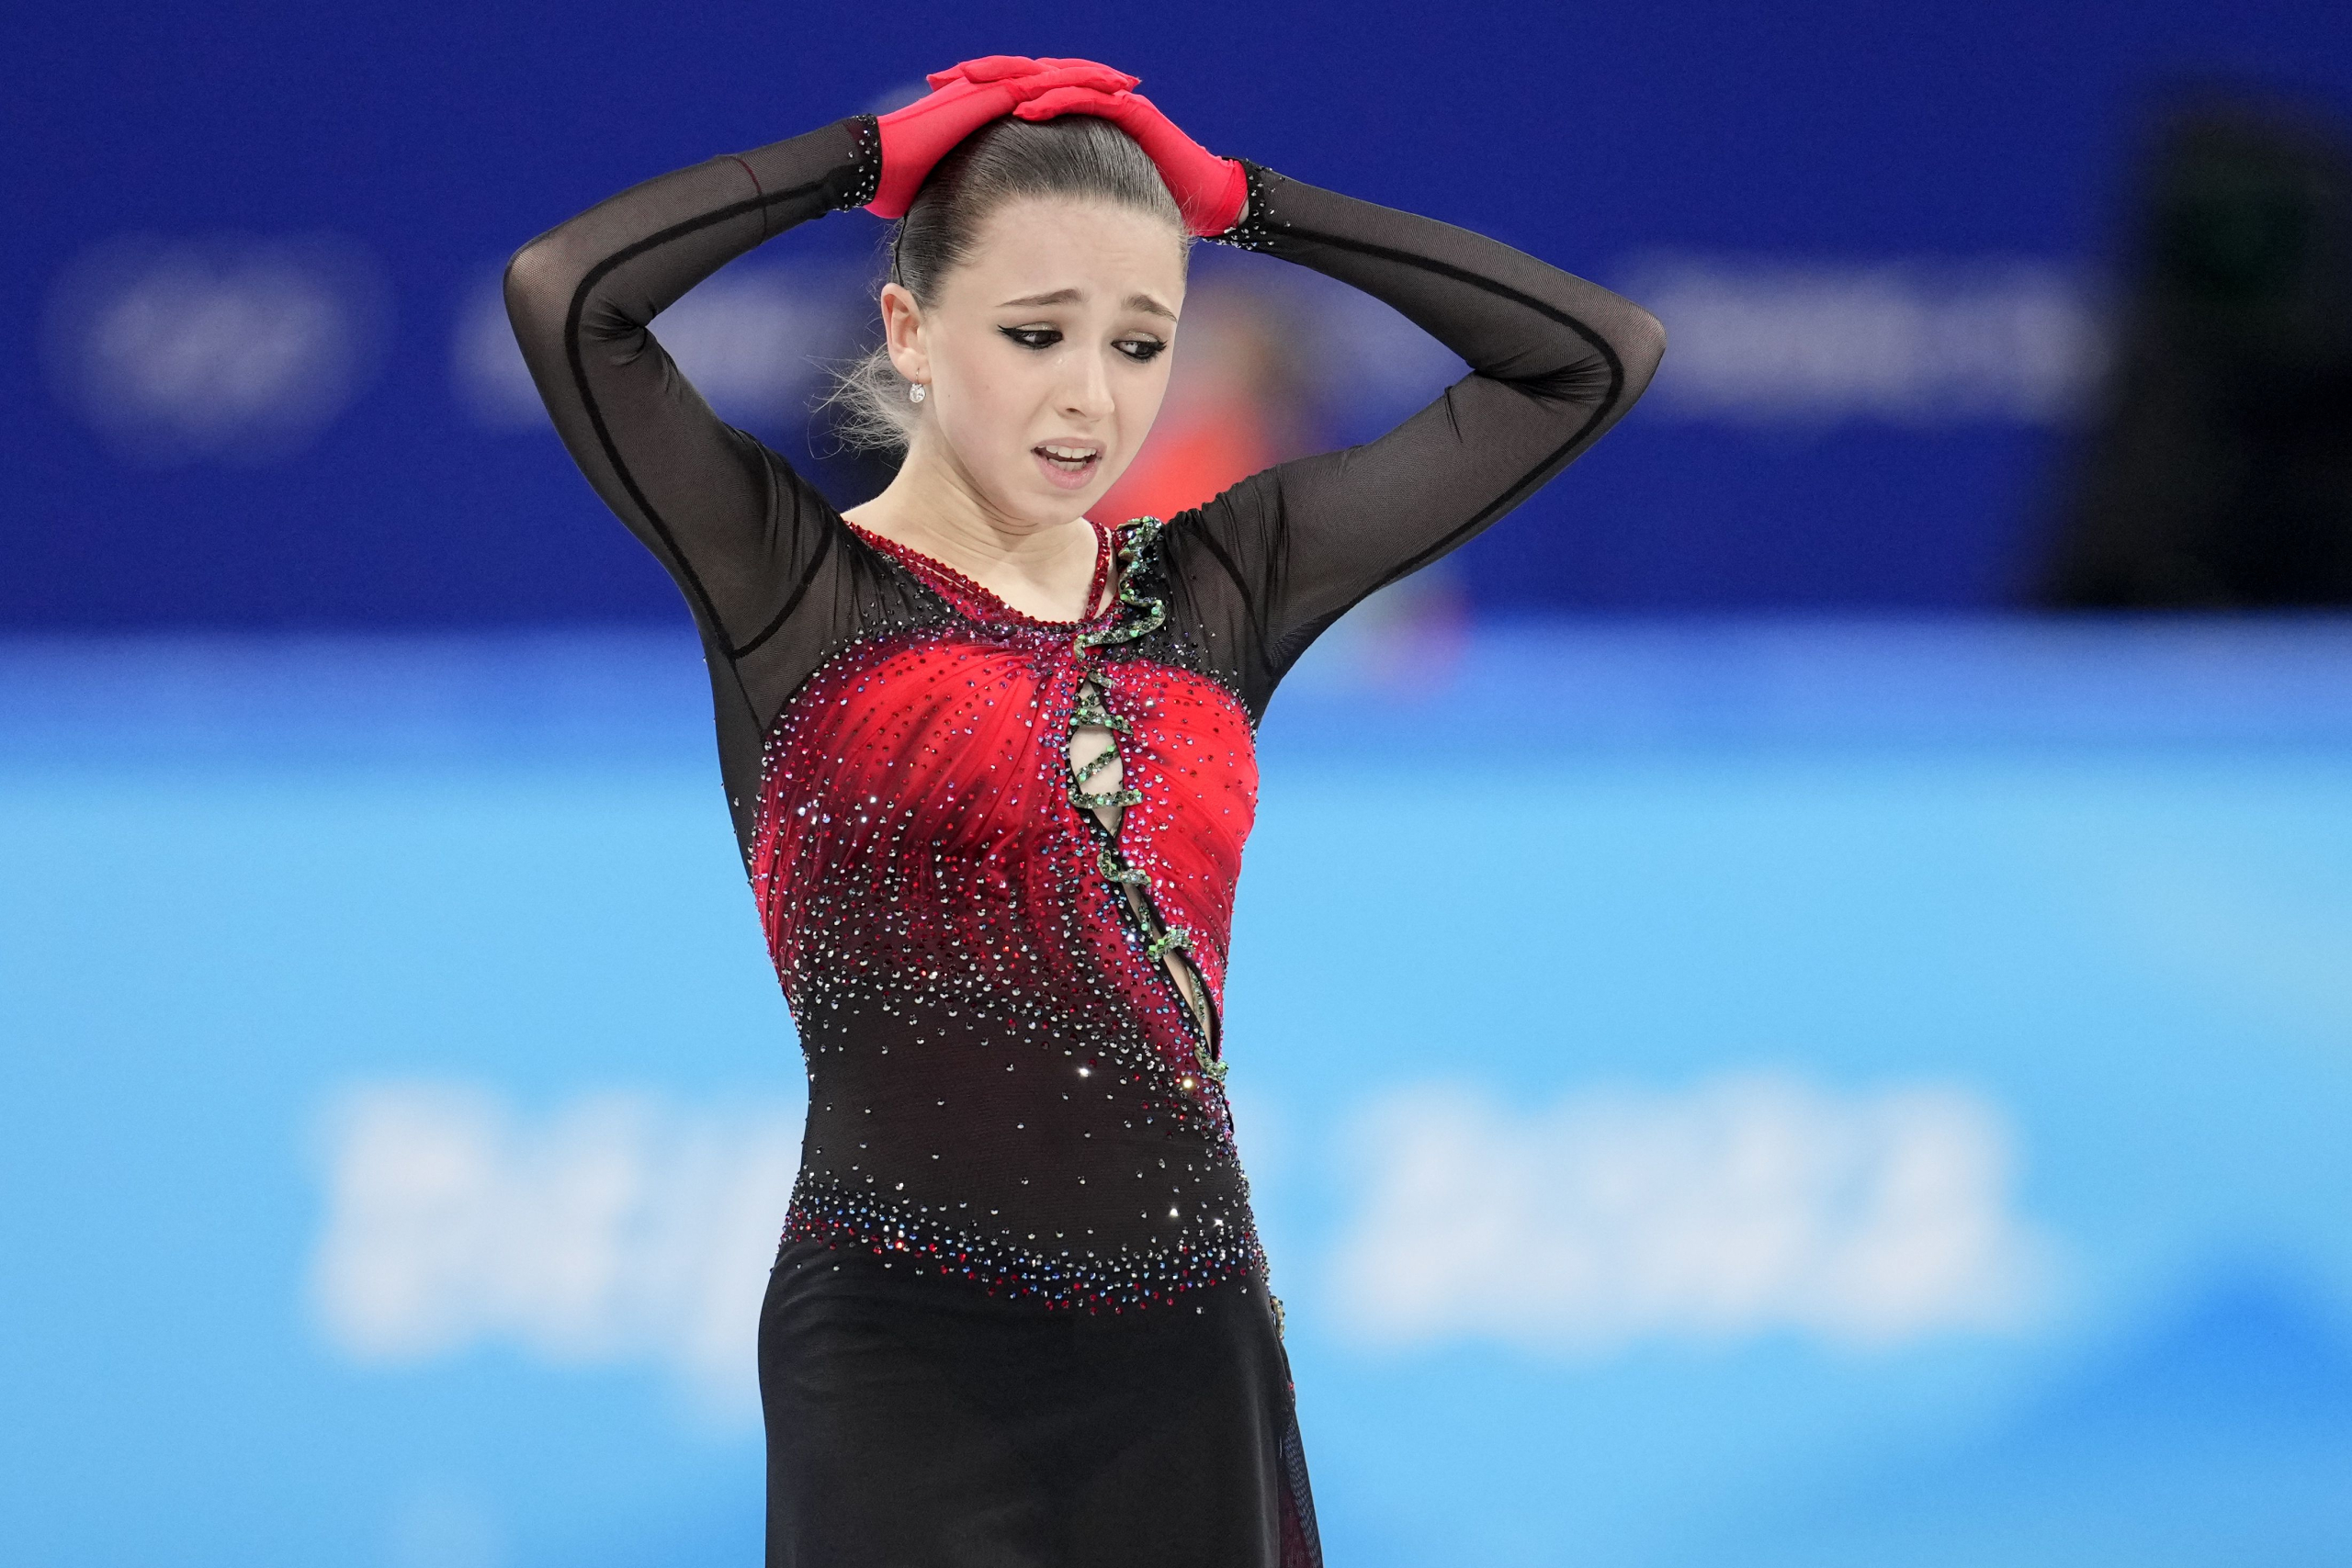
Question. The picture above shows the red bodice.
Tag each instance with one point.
(1005, 1075)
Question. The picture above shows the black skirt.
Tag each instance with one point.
(915, 1421)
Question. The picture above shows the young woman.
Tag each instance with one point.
(991, 766)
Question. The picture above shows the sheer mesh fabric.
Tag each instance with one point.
(1020, 1161)
(777, 583)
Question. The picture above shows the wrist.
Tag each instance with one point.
(1219, 197)
(856, 182)
(1254, 225)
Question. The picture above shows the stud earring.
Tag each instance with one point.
(917, 392)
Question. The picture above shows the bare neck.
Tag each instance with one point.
(932, 507)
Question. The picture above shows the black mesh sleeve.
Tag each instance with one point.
(744, 535)
(1555, 361)
(730, 519)
(766, 566)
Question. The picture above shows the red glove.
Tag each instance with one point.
(1209, 189)
(1002, 67)
(963, 98)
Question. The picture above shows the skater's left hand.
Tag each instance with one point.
(1208, 188)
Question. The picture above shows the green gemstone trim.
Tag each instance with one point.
(1091, 711)
(1117, 871)
(1145, 615)
(1175, 939)
(1088, 712)
(1096, 764)
(1136, 538)
(1119, 797)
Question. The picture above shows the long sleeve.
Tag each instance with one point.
(1555, 361)
(734, 524)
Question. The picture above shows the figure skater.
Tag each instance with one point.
(991, 766)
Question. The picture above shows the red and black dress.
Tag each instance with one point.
(1020, 1314)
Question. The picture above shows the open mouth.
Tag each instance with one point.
(1069, 464)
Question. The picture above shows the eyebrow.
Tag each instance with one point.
(1143, 302)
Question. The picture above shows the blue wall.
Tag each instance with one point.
(394, 156)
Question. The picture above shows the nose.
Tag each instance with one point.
(1086, 388)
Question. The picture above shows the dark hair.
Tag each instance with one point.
(1076, 155)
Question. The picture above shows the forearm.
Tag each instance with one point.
(605, 274)
(582, 296)
(1513, 318)
(1556, 361)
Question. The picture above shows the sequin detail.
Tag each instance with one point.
(1063, 1277)
(1136, 538)
(1006, 1082)
(1145, 614)
(866, 168)
(1258, 227)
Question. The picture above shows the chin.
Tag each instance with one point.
(1044, 506)
(1049, 510)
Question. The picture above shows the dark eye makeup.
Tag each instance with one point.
(1142, 350)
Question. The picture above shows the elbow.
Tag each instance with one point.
(1640, 347)
(1618, 349)
(538, 284)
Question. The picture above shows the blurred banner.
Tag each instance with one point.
(270, 384)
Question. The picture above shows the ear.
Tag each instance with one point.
(902, 332)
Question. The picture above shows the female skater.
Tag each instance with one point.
(991, 766)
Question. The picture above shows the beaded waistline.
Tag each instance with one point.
(1097, 1279)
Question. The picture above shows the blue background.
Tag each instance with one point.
(387, 761)
(439, 136)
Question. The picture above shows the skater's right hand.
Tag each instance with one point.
(1211, 191)
(963, 98)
